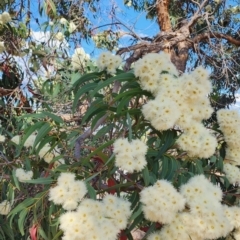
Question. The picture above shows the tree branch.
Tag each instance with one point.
(206, 35)
(197, 14)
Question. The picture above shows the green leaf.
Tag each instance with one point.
(91, 177)
(226, 181)
(104, 130)
(21, 206)
(43, 115)
(84, 89)
(168, 139)
(124, 77)
(150, 229)
(136, 221)
(219, 164)
(52, 6)
(152, 178)
(59, 233)
(2, 234)
(42, 132)
(43, 181)
(91, 191)
(132, 93)
(123, 105)
(75, 77)
(99, 149)
(96, 118)
(11, 193)
(136, 213)
(95, 108)
(42, 233)
(7, 230)
(129, 85)
(46, 140)
(15, 179)
(171, 169)
(21, 221)
(198, 167)
(29, 132)
(164, 167)
(129, 122)
(146, 177)
(129, 236)
(85, 78)
(213, 159)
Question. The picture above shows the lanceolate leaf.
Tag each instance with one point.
(146, 176)
(21, 221)
(30, 131)
(164, 168)
(95, 108)
(21, 206)
(83, 90)
(86, 77)
(167, 140)
(42, 115)
(47, 180)
(124, 77)
(132, 93)
(42, 132)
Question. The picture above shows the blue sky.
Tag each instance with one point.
(135, 20)
(132, 19)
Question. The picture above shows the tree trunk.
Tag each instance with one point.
(179, 55)
(163, 15)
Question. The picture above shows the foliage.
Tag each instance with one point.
(39, 144)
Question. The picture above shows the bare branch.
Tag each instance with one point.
(206, 35)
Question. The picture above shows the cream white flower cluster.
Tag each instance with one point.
(28, 143)
(130, 156)
(72, 27)
(109, 62)
(232, 173)
(207, 218)
(197, 141)
(45, 152)
(149, 70)
(161, 202)
(96, 220)
(180, 101)
(204, 200)
(59, 36)
(2, 47)
(79, 58)
(5, 207)
(68, 192)
(229, 121)
(16, 139)
(2, 138)
(5, 18)
(23, 175)
(63, 21)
